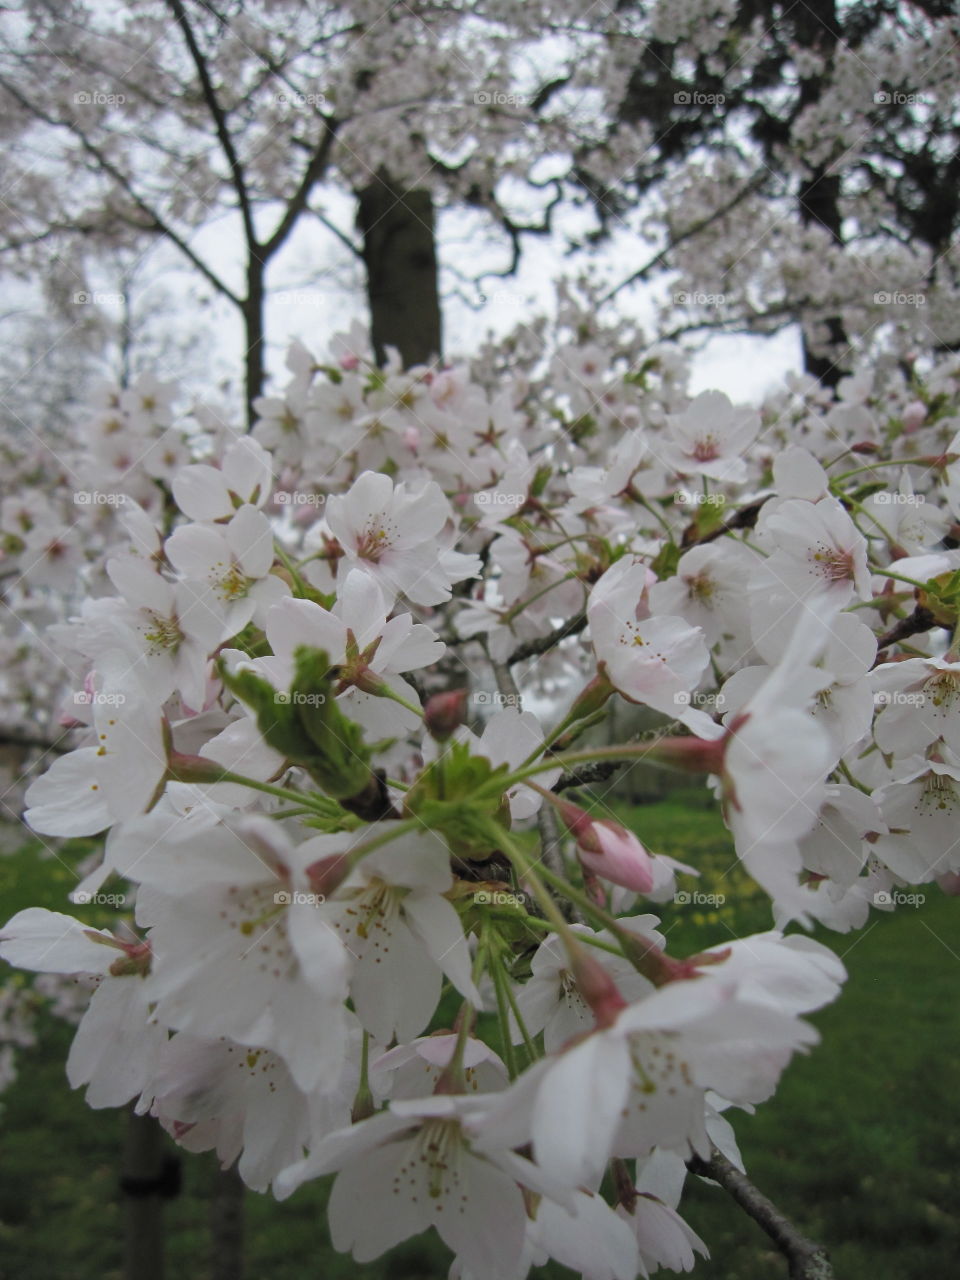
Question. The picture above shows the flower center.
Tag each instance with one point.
(833, 563)
(706, 449)
(164, 634)
(375, 540)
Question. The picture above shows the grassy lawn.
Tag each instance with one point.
(859, 1146)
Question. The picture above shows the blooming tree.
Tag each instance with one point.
(371, 942)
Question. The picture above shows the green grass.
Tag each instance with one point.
(859, 1146)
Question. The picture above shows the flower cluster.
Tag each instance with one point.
(371, 942)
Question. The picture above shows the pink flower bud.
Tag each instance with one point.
(914, 415)
(609, 850)
(445, 713)
(616, 854)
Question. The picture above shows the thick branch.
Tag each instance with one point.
(298, 201)
(219, 119)
(806, 1260)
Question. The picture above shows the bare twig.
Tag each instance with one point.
(531, 648)
(806, 1259)
(588, 773)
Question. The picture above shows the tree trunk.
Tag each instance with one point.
(399, 249)
(817, 29)
(142, 1184)
(253, 336)
(226, 1226)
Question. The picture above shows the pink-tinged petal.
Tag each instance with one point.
(377, 1180)
(590, 1239)
(291, 623)
(196, 551)
(250, 537)
(248, 471)
(361, 606)
(115, 1048)
(485, 1196)
(68, 799)
(50, 942)
(395, 985)
(617, 855)
(200, 493)
(438, 926)
(139, 585)
(578, 1107)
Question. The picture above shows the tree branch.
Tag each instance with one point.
(219, 120)
(806, 1260)
(659, 259)
(531, 648)
(123, 182)
(298, 201)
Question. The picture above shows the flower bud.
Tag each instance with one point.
(445, 713)
(597, 987)
(914, 415)
(609, 850)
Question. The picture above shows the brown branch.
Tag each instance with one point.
(589, 773)
(298, 201)
(219, 120)
(531, 648)
(920, 620)
(805, 1259)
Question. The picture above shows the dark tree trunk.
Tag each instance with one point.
(399, 250)
(226, 1225)
(817, 29)
(142, 1183)
(253, 336)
